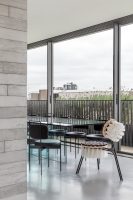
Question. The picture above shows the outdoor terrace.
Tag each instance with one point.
(87, 109)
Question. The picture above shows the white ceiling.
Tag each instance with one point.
(49, 18)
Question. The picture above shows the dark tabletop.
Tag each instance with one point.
(66, 122)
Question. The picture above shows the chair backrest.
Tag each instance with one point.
(98, 127)
(81, 126)
(38, 131)
(113, 130)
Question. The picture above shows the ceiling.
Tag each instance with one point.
(49, 18)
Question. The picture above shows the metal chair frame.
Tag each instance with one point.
(38, 134)
(99, 137)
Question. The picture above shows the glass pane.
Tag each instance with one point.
(127, 86)
(37, 82)
(83, 76)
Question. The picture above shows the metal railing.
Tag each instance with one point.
(87, 109)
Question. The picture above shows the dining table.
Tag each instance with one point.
(65, 122)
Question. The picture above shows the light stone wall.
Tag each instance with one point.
(13, 104)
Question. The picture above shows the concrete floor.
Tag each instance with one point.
(127, 149)
(90, 184)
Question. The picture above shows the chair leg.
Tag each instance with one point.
(75, 147)
(57, 139)
(60, 158)
(65, 149)
(64, 145)
(48, 157)
(70, 144)
(98, 163)
(117, 164)
(41, 159)
(78, 145)
(29, 157)
(79, 165)
(39, 155)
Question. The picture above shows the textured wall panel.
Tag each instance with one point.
(12, 68)
(17, 13)
(13, 34)
(3, 10)
(15, 3)
(17, 90)
(3, 90)
(13, 99)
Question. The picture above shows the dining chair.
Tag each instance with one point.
(38, 138)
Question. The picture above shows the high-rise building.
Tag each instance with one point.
(70, 86)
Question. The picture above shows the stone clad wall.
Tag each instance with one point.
(13, 111)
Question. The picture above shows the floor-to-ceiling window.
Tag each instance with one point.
(127, 86)
(37, 81)
(83, 76)
(83, 79)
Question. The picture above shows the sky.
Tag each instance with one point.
(86, 61)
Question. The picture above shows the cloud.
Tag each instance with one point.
(87, 61)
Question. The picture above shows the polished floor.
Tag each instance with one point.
(127, 149)
(90, 184)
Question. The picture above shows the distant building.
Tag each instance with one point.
(42, 95)
(57, 88)
(34, 96)
(70, 86)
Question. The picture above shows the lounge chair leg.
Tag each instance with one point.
(98, 163)
(79, 165)
(117, 164)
